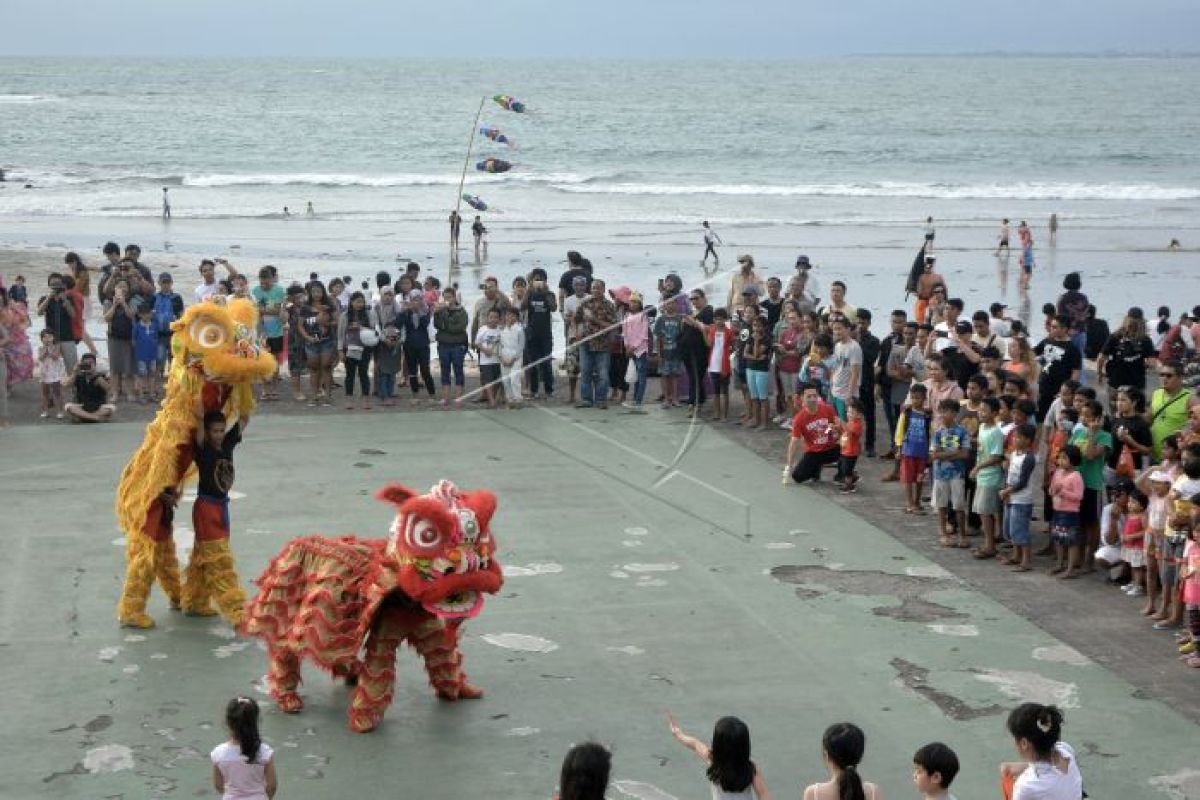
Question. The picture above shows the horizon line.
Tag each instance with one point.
(1113, 54)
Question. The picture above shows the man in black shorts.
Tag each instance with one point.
(91, 393)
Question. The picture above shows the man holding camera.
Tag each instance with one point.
(58, 310)
(91, 393)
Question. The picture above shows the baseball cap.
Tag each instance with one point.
(751, 290)
(802, 262)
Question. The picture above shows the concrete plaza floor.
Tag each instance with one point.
(653, 565)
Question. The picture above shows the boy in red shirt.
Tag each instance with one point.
(817, 426)
(851, 442)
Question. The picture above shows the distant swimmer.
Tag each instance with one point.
(166, 204)
(711, 240)
(930, 232)
(1174, 246)
(286, 213)
(309, 211)
(1053, 229)
(1003, 238)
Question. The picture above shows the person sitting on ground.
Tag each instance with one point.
(842, 747)
(731, 774)
(934, 768)
(91, 393)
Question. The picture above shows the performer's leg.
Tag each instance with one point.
(145, 552)
(377, 675)
(195, 594)
(213, 562)
(221, 579)
(166, 569)
(283, 676)
(139, 577)
(438, 646)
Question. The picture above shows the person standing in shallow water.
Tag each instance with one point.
(166, 212)
(711, 240)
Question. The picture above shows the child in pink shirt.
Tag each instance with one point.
(1066, 493)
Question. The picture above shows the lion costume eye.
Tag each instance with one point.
(421, 535)
(468, 524)
(206, 333)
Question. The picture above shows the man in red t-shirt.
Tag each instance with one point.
(816, 425)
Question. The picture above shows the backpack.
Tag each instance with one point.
(164, 313)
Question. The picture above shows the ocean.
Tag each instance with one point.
(628, 157)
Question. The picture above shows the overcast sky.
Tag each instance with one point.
(595, 28)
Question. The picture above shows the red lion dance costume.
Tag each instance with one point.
(329, 600)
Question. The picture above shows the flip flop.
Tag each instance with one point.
(983, 555)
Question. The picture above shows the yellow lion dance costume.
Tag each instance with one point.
(216, 359)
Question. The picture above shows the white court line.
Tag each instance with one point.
(75, 462)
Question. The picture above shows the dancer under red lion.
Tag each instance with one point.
(330, 600)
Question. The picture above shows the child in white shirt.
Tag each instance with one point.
(512, 353)
(487, 342)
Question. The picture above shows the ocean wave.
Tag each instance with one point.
(27, 99)
(936, 191)
(380, 181)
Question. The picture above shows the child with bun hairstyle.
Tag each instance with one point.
(244, 766)
(842, 748)
(1047, 770)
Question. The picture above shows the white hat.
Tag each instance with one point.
(368, 337)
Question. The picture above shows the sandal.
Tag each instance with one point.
(984, 554)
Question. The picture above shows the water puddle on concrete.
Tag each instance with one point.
(817, 580)
(1031, 687)
(546, 568)
(520, 641)
(641, 791)
(108, 758)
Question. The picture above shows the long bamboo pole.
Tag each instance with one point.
(461, 181)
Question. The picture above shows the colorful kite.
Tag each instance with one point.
(496, 136)
(493, 165)
(475, 202)
(510, 103)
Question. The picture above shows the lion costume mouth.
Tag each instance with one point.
(460, 605)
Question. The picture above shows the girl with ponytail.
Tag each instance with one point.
(1047, 770)
(244, 766)
(842, 747)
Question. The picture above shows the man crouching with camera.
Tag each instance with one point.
(91, 393)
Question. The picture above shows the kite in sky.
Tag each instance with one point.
(493, 165)
(496, 135)
(510, 103)
(475, 202)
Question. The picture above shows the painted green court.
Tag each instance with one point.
(652, 566)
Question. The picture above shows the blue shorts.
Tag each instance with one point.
(757, 380)
(319, 349)
(1016, 523)
(1064, 530)
(144, 369)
